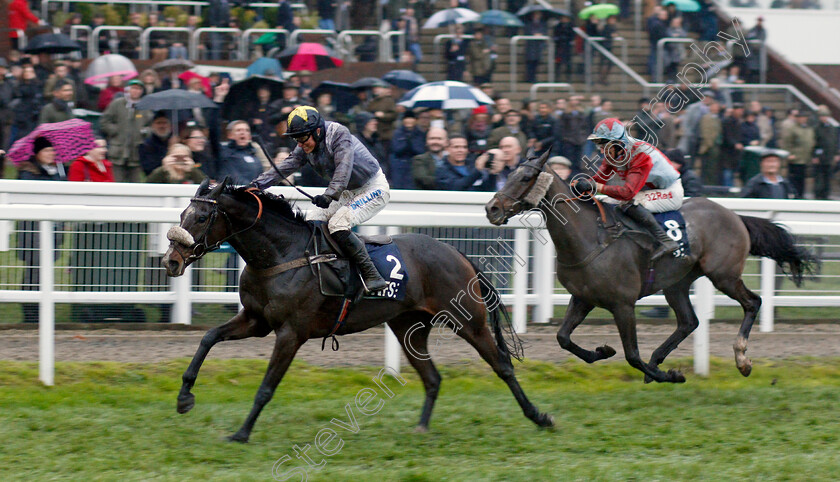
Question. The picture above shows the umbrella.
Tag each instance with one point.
(175, 100)
(266, 39)
(52, 43)
(179, 64)
(344, 97)
(547, 12)
(683, 5)
(602, 10)
(368, 83)
(450, 16)
(309, 56)
(205, 82)
(265, 66)
(243, 95)
(106, 66)
(404, 79)
(70, 139)
(499, 18)
(447, 94)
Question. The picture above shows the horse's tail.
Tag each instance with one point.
(508, 342)
(775, 241)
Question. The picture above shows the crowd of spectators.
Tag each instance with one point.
(422, 148)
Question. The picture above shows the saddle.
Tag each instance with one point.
(617, 224)
(340, 277)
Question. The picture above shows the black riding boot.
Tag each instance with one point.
(646, 219)
(354, 248)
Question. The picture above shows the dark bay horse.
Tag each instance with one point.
(614, 276)
(268, 232)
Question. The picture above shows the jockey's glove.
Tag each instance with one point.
(260, 186)
(322, 201)
(583, 186)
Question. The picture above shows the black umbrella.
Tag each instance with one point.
(52, 43)
(243, 95)
(175, 100)
(404, 79)
(180, 64)
(368, 83)
(547, 12)
(344, 97)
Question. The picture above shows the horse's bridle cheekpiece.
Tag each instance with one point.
(180, 236)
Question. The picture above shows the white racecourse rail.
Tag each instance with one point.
(51, 202)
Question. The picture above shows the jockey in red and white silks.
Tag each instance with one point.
(650, 182)
(649, 177)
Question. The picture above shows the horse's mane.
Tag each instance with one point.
(271, 202)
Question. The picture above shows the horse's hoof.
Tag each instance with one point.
(186, 403)
(746, 368)
(648, 378)
(238, 437)
(545, 420)
(605, 351)
(421, 429)
(674, 376)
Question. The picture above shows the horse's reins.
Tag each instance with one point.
(199, 247)
(515, 201)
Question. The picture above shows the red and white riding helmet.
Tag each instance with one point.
(610, 129)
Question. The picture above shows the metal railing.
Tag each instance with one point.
(144, 37)
(387, 44)
(660, 54)
(74, 29)
(293, 38)
(45, 10)
(345, 44)
(549, 85)
(588, 45)
(550, 52)
(439, 61)
(196, 36)
(245, 39)
(816, 78)
(458, 217)
(789, 90)
(93, 44)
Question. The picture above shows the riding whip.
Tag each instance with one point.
(271, 161)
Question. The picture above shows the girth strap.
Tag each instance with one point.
(295, 263)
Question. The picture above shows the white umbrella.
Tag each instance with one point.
(106, 66)
(447, 95)
(451, 16)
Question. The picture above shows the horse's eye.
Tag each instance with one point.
(202, 219)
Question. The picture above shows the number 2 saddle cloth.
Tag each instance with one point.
(340, 277)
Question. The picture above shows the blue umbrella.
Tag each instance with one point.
(683, 5)
(446, 95)
(263, 65)
(499, 18)
(404, 79)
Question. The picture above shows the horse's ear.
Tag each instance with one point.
(214, 194)
(203, 186)
(530, 154)
(543, 158)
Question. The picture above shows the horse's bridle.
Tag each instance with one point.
(510, 212)
(199, 248)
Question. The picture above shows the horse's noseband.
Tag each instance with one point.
(510, 212)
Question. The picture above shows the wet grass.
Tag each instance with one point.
(112, 421)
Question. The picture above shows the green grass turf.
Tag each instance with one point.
(110, 421)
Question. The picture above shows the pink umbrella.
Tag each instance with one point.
(205, 82)
(70, 139)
